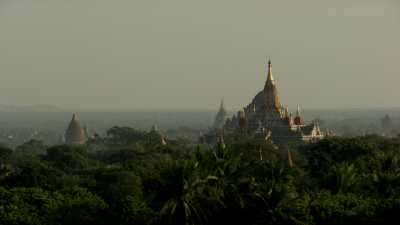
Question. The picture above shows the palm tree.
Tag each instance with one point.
(187, 198)
(345, 177)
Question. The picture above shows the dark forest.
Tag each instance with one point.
(130, 177)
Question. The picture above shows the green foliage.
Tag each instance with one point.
(343, 209)
(322, 155)
(67, 157)
(24, 206)
(31, 171)
(33, 206)
(342, 178)
(186, 198)
(130, 178)
(254, 149)
(5, 154)
(133, 210)
(115, 184)
(124, 135)
(77, 206)
(32, 147)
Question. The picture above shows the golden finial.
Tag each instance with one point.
(270, 77)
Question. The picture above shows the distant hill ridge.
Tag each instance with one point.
(29, 108)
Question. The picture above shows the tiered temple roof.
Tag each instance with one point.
(265, 114)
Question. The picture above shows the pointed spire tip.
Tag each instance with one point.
(270, 77)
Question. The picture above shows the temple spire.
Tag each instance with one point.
(298, 110)
(270, 78)
(221, 116)
(270, 92)
(75, 135)
(74, 117)
(298, 120)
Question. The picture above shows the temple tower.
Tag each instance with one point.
(266, 113)
(272, 101)
(221, 116)
(298, 120)
(74, 134)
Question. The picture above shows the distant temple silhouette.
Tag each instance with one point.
(266, 117)
(221, 117)
(75, 134)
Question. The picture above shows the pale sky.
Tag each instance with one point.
(188, 54)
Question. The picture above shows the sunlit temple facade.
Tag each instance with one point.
(266, 117)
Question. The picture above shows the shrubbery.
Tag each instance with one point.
(130, 178)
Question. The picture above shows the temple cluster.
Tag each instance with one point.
(266, 117)
(75, 134)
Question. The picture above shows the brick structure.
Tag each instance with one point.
(266, 116)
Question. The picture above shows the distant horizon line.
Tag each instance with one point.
(51, 107)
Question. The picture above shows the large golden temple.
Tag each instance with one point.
(266, 117)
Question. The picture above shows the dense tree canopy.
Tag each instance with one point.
(130, 177)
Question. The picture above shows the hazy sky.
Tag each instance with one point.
(189, 54)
